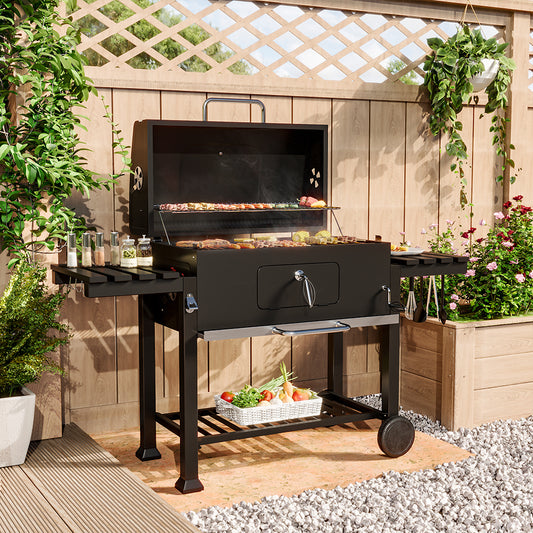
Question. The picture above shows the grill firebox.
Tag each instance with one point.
(244, 288)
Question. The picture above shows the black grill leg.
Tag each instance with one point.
(335, 362)
(147, 449)
(188, 480)
(390, 371)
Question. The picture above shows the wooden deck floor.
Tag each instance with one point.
(72, 484)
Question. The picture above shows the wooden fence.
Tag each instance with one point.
(387, 172)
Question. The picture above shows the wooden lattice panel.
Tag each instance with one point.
(258, 39)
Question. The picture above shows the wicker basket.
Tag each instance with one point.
(250, 416)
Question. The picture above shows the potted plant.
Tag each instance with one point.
(477, 367)
(29, 331)
(452, 69)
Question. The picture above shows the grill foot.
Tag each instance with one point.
(185, 486)
(147, 454)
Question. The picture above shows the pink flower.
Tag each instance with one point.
(520, 278)
(531, 274)
(514, 262)
(449, 222)
(454, 297)
(423, 231)
(402, 232)
(492, 266)
(464, 243)
(474, 259)
(433, 226)
(453, 305)
(508, 244)
(482, 222)
(470, 272)
(499, 215)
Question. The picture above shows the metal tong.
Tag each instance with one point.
(432, 288)
(411, 301)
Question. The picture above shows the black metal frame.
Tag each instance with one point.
(154, 284)
(337, 409)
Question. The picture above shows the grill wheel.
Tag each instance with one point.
(396, 436)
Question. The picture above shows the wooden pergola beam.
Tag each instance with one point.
(502, 5)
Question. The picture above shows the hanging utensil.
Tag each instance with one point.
(443, 313)
(432, 289)
(420, 314)
(411, 301)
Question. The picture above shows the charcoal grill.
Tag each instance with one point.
(235, 293)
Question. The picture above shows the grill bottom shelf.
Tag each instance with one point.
(212, 427)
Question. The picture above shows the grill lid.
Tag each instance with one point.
(249, 177)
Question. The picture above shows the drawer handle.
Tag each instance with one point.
(308, 289)
(338, 327)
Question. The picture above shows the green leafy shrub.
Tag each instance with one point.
(499, 278)
(42, 88)
(28, 321)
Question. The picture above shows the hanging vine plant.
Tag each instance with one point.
(450, 70)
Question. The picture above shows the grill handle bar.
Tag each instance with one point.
(339, 326)
(236, 101)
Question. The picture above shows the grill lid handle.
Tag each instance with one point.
(236, 101)
(338, 327)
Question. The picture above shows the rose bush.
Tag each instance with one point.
(499, 277)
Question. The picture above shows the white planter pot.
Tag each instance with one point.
(482, 80)
(16, 422)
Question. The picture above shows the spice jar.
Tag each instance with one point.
(86, 252)
(72, 253)
(99, 255)
(128, 254)
(144, 252)
(115, 249)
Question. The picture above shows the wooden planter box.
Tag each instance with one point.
(467, 374)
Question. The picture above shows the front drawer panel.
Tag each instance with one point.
(277, 287)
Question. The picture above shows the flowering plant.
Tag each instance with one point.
(499, 277)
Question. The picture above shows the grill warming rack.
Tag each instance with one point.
(160, 211)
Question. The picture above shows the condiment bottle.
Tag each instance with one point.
(99, 254)
(144, 252)
(128, 254)
(72, 253)
(86, 258)
(115, 249)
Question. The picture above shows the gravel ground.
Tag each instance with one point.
(491, 491)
